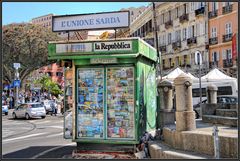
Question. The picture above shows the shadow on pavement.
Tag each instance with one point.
(33, 151)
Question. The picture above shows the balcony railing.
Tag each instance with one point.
(213, 14)
(192, 40)
(183, 18)
(163, 48)
(168, 24)
(227, 37)
(200, 11)
(213, 41)
(227, 63)
(227, 9)
(176, 45)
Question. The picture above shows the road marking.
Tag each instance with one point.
(23, 137)
(61, 133)
(58, 127)
(37, 121)
(47, 151)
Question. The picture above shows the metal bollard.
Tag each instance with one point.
(216, 142)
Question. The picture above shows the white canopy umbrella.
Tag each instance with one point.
(173, 74)
(216, 74)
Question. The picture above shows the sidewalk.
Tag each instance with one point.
(195, 144)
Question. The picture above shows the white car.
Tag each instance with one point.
(48, 105)
(29, 110)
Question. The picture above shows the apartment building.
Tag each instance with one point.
(223, 33)
(183, 31)
(45, 21)
(142, 26)
(134, 13)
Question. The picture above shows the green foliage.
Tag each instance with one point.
(48, 85)
(25, 44)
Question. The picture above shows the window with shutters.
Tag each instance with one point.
(173, 36)
(169, 16)
(192, 7)
(193, 31)
(229, 54)
(162, 17)
(228, 29)
(160, 40)
(226, 3)
(213, 32)
(59, 74)
(197, 29)
(166, 16)
(177, 14)
(164, 39)
(214, 6)
(189, 35)
(184, 31)
(169, 38)
(185, 8)
(49, 73)
(178, 33)
(215, 56)
(150, 25)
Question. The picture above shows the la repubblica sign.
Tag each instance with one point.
(105, 20)
(109, 46)
(94, 47)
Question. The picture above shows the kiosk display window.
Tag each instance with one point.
(120, 102)
(90, 102)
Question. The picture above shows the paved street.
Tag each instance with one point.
(35, 138)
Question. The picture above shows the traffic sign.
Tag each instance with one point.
(16, 83)
(198, 58)
(16, 65)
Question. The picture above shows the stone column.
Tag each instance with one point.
(212, 93)
(166, 112)
(185, 116)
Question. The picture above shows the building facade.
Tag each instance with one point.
(181, 29)
(182, 32)
(223, 33)
(134, 13)
(142, 26)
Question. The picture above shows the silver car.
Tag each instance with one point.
(29, 110)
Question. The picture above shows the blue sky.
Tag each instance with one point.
(25, 11)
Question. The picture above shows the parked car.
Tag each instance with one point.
(5, 109)
(48, 105)
(29, 110)
(223, 99)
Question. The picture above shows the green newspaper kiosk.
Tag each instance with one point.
(113, 89)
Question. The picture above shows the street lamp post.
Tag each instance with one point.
(198, 61)
(16, 66)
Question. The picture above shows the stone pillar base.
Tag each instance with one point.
(166, 117)
(185, 121)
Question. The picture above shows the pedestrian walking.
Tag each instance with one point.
(54, 109)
